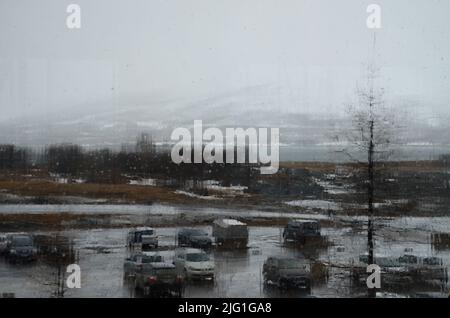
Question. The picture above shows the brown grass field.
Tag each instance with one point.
(138, 194)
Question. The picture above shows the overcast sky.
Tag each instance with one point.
(131, 53)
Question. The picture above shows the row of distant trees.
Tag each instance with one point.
(109, 166)
(12, 157)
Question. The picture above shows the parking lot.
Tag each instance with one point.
(101, 254)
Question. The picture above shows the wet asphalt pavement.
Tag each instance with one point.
(101, 254)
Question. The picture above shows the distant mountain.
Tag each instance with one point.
(255, 107)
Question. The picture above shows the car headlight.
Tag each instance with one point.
(13, 251)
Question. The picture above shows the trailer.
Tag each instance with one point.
(230, 233)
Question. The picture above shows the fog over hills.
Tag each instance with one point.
(254, 107)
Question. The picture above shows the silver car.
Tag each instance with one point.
(194, 263)
(136, 262)
(153, 276)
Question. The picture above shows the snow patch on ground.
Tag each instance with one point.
(193, 195)
(63, 180)
(331, 188)
(144, 182)
(232, 222)
(378, 205)
(214, 185)
(314, 204)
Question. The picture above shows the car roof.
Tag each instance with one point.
(280, 257)
(15, 233)
(141, 229)
(190, 250)
(144, 228)
(19, 235)
(191, 230)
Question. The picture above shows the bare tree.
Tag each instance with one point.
(369, 139)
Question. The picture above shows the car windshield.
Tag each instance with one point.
(147, 232)
(197, 233)
(306, 225)
(290, 263)
(22, 241)
(197, 257)
(152, 259)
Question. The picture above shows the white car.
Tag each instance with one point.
(194, 263)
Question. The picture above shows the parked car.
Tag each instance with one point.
(299, 230)
(156, 277)
(407, 261)
(403, 269)
(194, 238)
(20, 247)
(143, 238)
(136, 262)
(230, 233)
(3, 244)
(287, 273)
(55, 248)
(195, 263)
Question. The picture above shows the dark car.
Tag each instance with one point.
(143, 238)
(299, 230)
(20, 247)
(194, 238)
(287, 273)
(3, 244)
